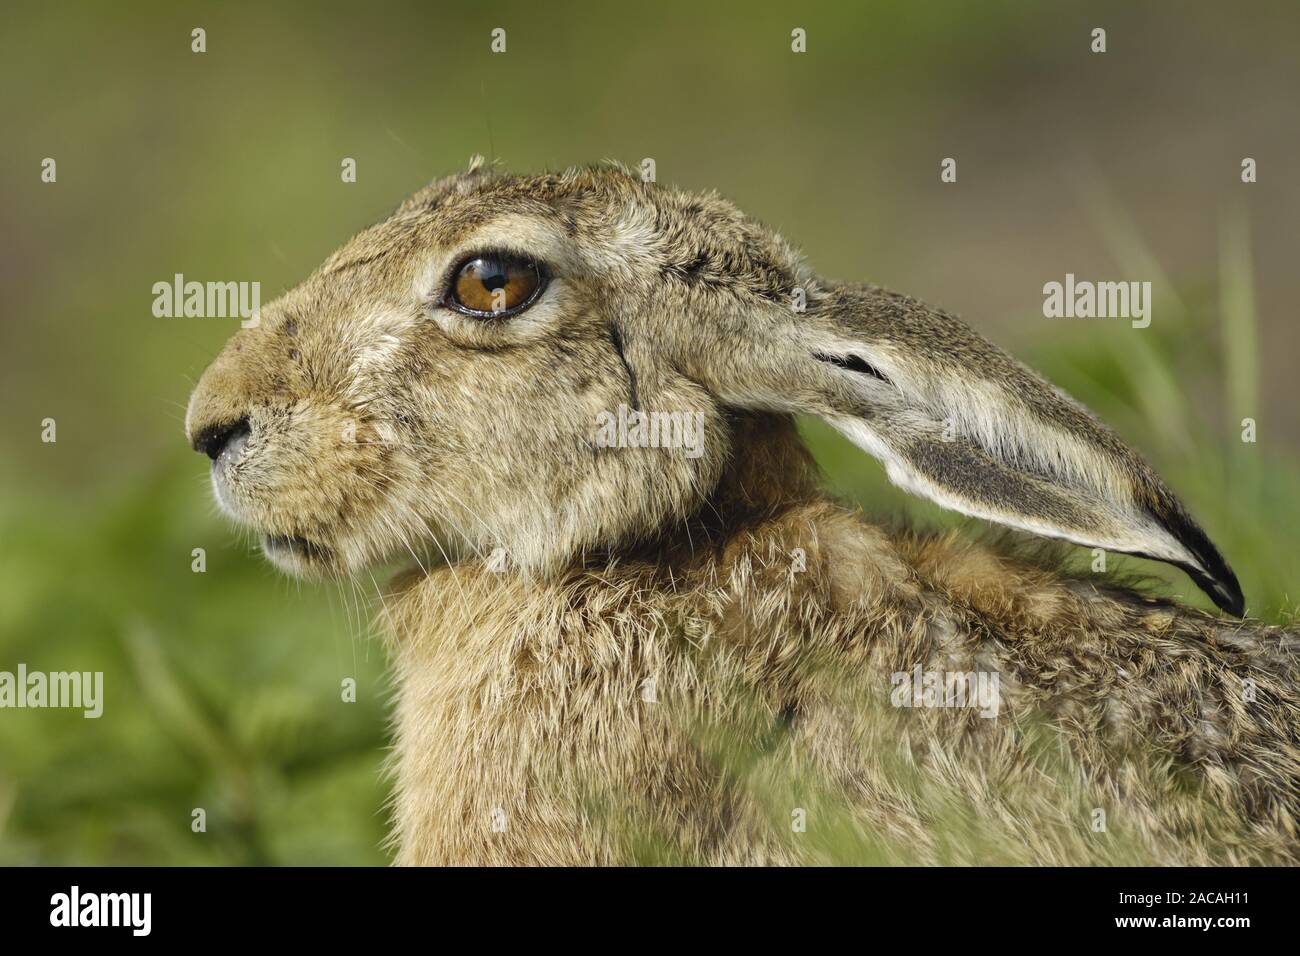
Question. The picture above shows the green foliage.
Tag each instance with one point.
(222, 691)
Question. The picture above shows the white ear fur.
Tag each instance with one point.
(1118, 527)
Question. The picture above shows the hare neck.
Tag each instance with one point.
(768, 472)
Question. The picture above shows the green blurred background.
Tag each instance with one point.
(223, 688)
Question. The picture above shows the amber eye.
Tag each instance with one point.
(495, 285)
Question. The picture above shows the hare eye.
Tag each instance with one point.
(495, 285)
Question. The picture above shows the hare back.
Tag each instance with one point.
(818, 689)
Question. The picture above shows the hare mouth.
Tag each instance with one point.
(284, 545)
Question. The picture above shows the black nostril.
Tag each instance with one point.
(213, 439)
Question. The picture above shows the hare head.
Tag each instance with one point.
(464, 373)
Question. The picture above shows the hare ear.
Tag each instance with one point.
(958, 421)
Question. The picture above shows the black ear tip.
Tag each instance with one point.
(1213, 576)
(1222, 588)
(1226, 593)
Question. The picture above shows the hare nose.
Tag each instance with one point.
(223, 442)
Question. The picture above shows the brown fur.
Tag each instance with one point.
(767, 619)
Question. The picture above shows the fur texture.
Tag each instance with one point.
(630, 653)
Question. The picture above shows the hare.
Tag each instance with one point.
(617, 643)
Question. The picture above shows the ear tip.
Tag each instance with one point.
(1226, 593)
(1216, 579)
(1210, 572)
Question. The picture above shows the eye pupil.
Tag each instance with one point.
(495, 285)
